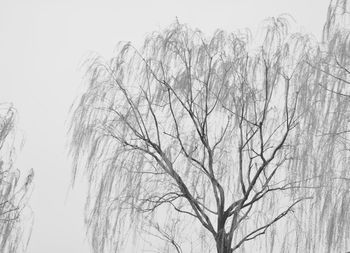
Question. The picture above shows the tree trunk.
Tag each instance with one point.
(223, 243)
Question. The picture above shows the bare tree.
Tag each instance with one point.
(192, 140)
(14, 232)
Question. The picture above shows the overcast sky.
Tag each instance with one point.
(42, 44)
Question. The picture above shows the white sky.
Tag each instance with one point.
(42, 44)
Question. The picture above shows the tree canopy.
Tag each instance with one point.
(211, 143)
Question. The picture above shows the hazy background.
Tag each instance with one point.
(42, 45)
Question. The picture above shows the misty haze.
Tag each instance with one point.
(175, 127)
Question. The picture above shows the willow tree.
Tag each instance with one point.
(190, 141)
(14, 231)
(323, 139)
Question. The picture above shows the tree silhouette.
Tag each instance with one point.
(192, 140)
(14, 234)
